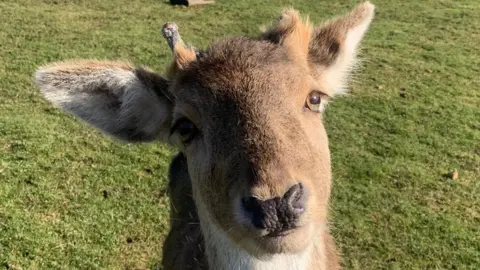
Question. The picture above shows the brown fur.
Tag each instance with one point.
(183, 56)
(256, 137)
(292, 33)
(87, 65)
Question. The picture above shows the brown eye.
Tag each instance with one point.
(185, 129)
(314, 101)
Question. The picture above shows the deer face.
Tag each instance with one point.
(247, 115)
(249, 123)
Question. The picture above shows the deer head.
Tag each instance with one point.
(246, 113)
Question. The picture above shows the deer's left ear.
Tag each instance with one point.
(333, 47)
(329, 49)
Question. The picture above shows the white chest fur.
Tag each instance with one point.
(224, 255)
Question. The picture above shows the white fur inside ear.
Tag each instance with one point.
(63, 88)
(112, 99)
(336, 76)
(356, 33)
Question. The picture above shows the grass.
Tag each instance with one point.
(71, 198)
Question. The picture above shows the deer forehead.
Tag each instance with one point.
(239, 74)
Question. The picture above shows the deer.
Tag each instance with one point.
(251, 183)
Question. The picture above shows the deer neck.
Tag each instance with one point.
(223, 254)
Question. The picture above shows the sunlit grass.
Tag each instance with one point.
(72, 198)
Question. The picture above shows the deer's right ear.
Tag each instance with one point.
(131, 104)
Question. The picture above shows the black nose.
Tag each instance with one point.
(277, 214)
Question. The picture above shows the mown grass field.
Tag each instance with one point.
(71, 198)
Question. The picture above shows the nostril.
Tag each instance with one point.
(249, 203)
(255, 211)
(296, 197)
(276, 214)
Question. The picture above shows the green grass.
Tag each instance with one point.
(71, 198)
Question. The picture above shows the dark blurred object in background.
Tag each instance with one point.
(190, 2)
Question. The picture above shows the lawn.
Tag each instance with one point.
(71, 198)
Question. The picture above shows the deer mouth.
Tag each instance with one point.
(275, 234)
(293, 240)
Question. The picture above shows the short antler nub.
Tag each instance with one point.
(171, 34)
(183, 55)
